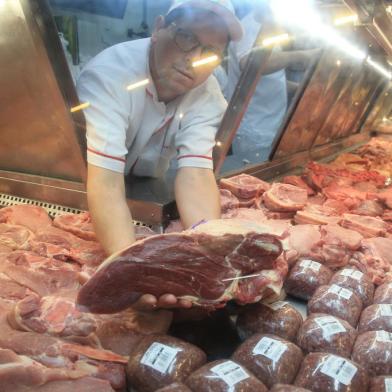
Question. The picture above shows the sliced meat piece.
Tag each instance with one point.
(369, 208)
(244, 186)
(77, 224)
(317, 215)
(33, 217)
(11, 290)
(62, 245)
(246, 213)
(193, 265)
(40, 274)
(387, 216)
(366, 225)
(337, 235)
(228, 200)
(349, 196)
(284, 197)
(303, 239)
(299, 182)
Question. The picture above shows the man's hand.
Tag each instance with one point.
(166, 301)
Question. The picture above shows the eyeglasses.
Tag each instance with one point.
(187, 41)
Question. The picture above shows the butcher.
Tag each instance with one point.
(149, 103)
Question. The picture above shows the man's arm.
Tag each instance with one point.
(197, 195)
(113, 225)
(298, 60)
(108, 208)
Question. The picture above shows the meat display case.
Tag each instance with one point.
(42, 144)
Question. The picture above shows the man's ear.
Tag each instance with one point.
(158, 25)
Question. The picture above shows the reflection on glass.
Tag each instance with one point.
(277, 86)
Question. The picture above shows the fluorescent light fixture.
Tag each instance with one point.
(80, 107)
(338, 63)
(346, 20)
(133, 86)
(207, 60)
(301, 14)
(275, 40)
(379, 68)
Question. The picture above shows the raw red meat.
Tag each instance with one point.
(190, 265)
(246, 213)
(62, 245)
(11, 290)
(260, 206)
(383, 294)
(271, 359)
(349, 196)
(244, 186)
(322, 372)
(366, 225)
(299, 182)
(224, 376)
(228, 200)
(284, 197)
(33, 217)
(42, 275)
(160, 360)
(14, 237)
(77, 224)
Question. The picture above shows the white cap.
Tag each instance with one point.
(222, 8)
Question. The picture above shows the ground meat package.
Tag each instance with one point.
(160, 360)
(322, 372)
(270, 358)
(381, 384)
(176, 387)
(305, 277)
(224, 376)
(287, 388)
(279, 318)
(383, 294)
(336, 301)
(376, 317)
(357, 282)
(325, 333)
(373, 350)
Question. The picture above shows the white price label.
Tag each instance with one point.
(310, 264)
(385, 310)
(340, 291)
(277, 305)
(388, 384)
(355, 274)
(270, 348)
(330, 325)
(339, 369)
(230, 372)
(159, 357)
(383, 336)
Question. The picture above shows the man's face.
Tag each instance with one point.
(171, 65)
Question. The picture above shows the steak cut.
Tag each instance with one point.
(192, 265)
(298, 182)
(285, 197)
(77, 224)
(228, 200)
(366, 225)
(244, 186)
(14, 237)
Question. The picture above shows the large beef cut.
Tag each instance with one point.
(244, 186)
(192, 265)
(285, 197)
